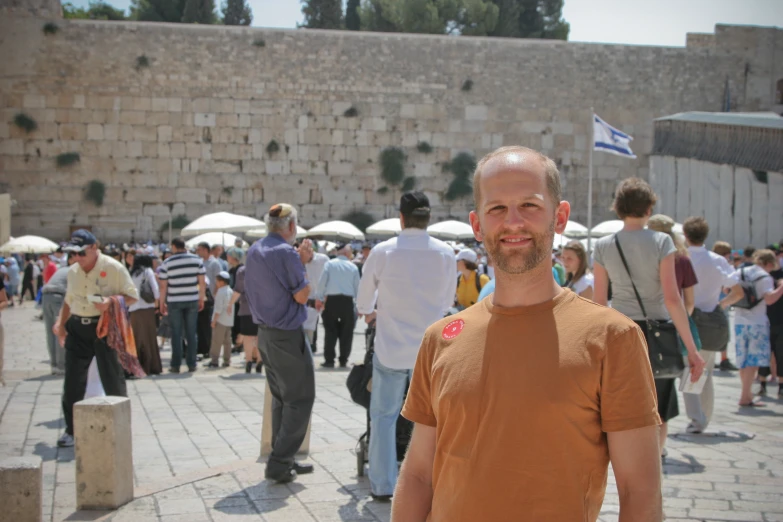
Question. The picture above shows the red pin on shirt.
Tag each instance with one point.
(453, 329)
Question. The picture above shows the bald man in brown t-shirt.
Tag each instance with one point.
(521, 401)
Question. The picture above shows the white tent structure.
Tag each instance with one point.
(575, 230)
(451, 230)
(262, 232)
(29, 245)
(606, 228)
(221, 222)
(386, 228)
(214, 238)
(337, 230)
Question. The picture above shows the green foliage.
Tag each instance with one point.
(95, 191)
(199, 12)
(259, 42)
(272, 147)
(322, 14)
(95, 11)
(236, 12)
(50, 28)
(424, 147)
(157, 10)
(177, 223)
(467, 85)
(227, 190)
(531, 19)
(25, 122)
(351, 112)
(142, 62)
(359, 218)
(392, 160)
(462, 167)
(67, 158)
(352, 20)
(468, 17)
(383, 190)
(408, 184)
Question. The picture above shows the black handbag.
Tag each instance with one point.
(713, 329)
(663, 345)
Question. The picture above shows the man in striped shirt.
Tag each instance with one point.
(182, 293)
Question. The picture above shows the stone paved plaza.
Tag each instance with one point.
(196, 441)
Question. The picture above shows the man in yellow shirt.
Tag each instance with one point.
(468, 287)
(92, 279)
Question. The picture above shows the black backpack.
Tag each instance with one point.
(750, 299)
(478, 281)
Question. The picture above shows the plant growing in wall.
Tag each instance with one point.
(50, 28)
(383, 190)
(259, 42)
(228, 191)
(177, 223)
(272, 147)
(392, 160)
(351, 112)
(408, 184)
(25, 122)
(461, 167)
(424, 147)
(95, 191)
(67, 158)
(467, 85)
(142, 62)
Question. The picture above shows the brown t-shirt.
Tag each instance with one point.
(521, 399)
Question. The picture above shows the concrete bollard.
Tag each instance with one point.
(104, 452)
(21, 483)
(266, 429)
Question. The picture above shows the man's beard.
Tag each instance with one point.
(518, 261)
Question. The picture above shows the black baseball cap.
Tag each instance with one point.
(80, 240)
(415, 203)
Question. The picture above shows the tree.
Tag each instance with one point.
(158, 10)
(322, 14)
(469, 17)
(95, 11)
(199, 12)
(531, 19)
(352, 20)
(236, 12)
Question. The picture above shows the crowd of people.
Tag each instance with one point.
(456, 328)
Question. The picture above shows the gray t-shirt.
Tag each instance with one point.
(644, 250)
(58, 283)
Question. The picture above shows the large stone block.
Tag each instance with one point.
(21, 489)
(104, 452)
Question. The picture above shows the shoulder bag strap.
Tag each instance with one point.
(625, 264)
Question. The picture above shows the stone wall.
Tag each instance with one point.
(188, 133)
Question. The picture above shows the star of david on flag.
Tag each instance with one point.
(611, 140)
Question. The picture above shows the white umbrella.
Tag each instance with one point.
(386, 227)
(326, 246)
(262, 232)
(575, 230)
(559, 241)
(29, 245)
(337, 230)
(221, 222)
(451, 230)
(606, 228)
(214, 238)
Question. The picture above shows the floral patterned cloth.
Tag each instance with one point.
(752, 344)
(114, 325)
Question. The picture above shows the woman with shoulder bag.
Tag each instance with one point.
(640, 264)
(142, 314)
(579, 279)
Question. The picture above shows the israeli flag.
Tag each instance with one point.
(609, 139)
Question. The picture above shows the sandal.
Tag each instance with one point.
(753, 404)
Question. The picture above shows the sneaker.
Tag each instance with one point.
(762, 390)
(248, 366)
(65, 441)
(327, 365)
(693, 429)
(192, 369)
(173, 370)
(226, 364)
(727, 366)
(211, 365)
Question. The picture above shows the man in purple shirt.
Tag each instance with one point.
(277, 289)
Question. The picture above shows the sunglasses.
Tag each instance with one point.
(83, 253)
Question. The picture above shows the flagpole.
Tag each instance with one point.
(591, 146)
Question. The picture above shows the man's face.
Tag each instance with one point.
(87, 261)
(202, 252)
(365, 253)
(517, 218)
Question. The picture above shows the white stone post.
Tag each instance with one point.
(266, 429)
(104, 452)
(21, 483)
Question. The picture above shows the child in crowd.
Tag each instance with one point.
(222, 321)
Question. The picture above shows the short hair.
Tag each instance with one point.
(581, 253)
(178, 242)
(749, 251)
(553, 184)
(280, 223)
(204, 244)
(696, 230)
(415, 221)
(634, 197)
(722, 248)
(470, 265)
(764, 256)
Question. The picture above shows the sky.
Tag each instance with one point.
(634, 22)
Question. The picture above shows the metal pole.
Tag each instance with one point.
(590, 145)
(171, 218)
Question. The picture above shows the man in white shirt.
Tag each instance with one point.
(714, 273)
(414, 278)
(314, 266)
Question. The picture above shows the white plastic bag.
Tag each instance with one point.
(94, 384)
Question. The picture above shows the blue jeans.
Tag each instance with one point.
(183, 317)
(388, 391)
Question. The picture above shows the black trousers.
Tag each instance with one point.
(291, 379)
(339, 321)
(776, 343)
(204, 328)
(81, 345)
(27, 286)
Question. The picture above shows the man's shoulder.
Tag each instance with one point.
(111, 263)
(473, 317)
(440, 246)
(596, 316)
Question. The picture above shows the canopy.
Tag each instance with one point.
(575, 230)
(606, 228)
(221, 222)
(386, 227)
(337, 230)
(214, 238)
(559, 241)
(451, 230)
(29, 245)
(262, 232)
